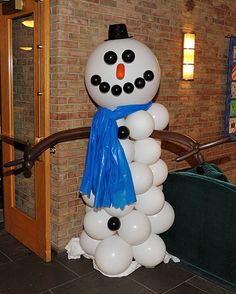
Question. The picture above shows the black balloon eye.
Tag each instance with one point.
(128, 88)
(96, 80)
(110, 57)
(128, 56)
(104, 87)
(116, 90)
(139, 83)
(148, 75)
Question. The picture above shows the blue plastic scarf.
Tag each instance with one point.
(107, 172)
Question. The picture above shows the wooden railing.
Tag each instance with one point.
(190, 147)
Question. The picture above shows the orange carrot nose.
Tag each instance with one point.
(120, 71)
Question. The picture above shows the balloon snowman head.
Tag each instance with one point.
(122, 71)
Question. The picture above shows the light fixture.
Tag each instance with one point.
(24, 48)
(188, 56)
(28, 23)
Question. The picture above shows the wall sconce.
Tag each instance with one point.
(188, 57)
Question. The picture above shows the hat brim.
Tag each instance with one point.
(113, 39)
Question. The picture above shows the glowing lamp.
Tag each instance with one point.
(188, 57)
(29, 23)
(24, 48)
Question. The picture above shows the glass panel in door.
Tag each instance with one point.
(23, 104)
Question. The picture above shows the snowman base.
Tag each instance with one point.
(74, 251)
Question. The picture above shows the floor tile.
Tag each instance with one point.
(31, 275)
(11, 247)
(161, 278)
(3, 258)
(208, 286)
(96, 283)
(185, 289)
(80, 266)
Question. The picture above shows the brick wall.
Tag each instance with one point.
(196, 108)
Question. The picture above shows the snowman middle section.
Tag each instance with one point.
(121, 240)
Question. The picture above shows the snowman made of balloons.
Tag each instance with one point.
(123, 71)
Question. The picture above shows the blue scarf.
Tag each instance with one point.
(107, 172)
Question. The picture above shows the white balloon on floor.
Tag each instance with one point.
(88, 244)
(113, 255)
(151, 252)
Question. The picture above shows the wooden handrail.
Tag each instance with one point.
(32, 152)
(17, 143)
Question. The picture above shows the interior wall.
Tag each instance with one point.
(196, 108)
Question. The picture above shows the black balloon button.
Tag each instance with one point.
(128, 88)
(104, 87)
(148, 75)
(116, 90)
(128, 56)
(123, 132)
(139, 83)
(96, 80)
(113, 223)
(110, 57)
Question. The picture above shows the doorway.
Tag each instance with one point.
(24, 51)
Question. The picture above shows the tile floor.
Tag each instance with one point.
(23, 272)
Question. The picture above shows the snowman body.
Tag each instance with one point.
(119, 240)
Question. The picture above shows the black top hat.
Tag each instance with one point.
(117, 31)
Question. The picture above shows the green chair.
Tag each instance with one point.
(204, 232)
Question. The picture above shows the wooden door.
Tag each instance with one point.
(24, 52)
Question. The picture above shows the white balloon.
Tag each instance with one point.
(89, 200)
(135, 227)
(142, 177)
(95, 224)
(88, 244)
(119, 212)
(151, 252)
(163, 220)
(147, 151)
(140, 124)
(160, 187)
(88, 208)
(113, 255)
(121, 122)
(160, 116)
(128, 147)
(151, 202)
(160, 172)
